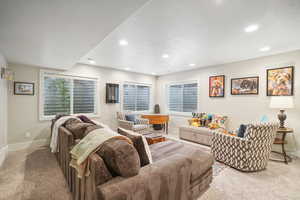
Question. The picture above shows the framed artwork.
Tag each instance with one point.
(280, 81)
(23, 88)
(217, 86)
(245, 86)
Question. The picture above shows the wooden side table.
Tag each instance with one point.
(282, 142)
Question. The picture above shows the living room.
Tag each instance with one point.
(184, 77)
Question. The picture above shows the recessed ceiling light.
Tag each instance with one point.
(251, 28)
(127, 68)
(123, 42)
(192, 64)
(165, 56)
(153, 73)
(91, 61)
(266, 48)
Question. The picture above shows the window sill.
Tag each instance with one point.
(181, 114)
(49, 118)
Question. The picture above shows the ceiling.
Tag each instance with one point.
(57, 33)
(204, 33)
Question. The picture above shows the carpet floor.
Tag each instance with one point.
(34, 174)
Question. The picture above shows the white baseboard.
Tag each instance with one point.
(3, 152)
(30, 144)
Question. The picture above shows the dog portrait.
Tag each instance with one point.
(244, 86)
(280, 81)
(217, 86)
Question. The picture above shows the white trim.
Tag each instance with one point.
(3, 153)
(44, 73)
(25, 145)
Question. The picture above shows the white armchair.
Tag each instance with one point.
(140, 124)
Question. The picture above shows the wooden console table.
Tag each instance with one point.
(282, 141)
(158, 119)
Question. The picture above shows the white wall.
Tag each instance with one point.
(240, 109)
(3, 114)
(23, 110)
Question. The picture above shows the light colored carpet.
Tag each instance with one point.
(34, 174)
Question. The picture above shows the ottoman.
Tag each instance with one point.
(201, 135)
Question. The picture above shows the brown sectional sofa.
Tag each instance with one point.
(178, 172)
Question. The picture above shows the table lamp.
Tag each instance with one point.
(282, 103)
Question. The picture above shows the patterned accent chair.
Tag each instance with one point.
(248, 154)
(139, 126)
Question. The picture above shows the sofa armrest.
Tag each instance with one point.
(126, 124)
(142, 121)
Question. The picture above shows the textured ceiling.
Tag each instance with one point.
(204, 33)
(57, 33)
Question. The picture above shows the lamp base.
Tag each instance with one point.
(282, 117)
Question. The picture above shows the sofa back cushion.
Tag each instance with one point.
(141, 145)
(120, 157)
(77, 127)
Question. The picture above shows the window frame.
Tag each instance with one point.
(45, 73)
(168, 97)
(141, 84)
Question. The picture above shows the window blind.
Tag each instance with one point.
(67, 95)
(136, 97)
(84, 96)
(183, 97)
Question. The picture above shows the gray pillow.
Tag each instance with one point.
(120, 157)
(140, 144)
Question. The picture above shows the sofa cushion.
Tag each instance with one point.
(77, 127)
(102, 174)
(141, 145)
(201, 161)
(120, 157)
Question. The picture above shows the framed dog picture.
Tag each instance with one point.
(280, 81)
(23, 88)
(245, 86)
(217, 86)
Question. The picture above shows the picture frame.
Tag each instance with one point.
(245, 86)
(217, 86)
(23, 88)
(280, 81)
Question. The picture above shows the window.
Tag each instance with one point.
(136, 97)
(183, 97)
(62, 94)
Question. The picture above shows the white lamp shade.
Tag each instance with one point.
(282, 102)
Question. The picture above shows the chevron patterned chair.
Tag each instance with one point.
(247, 154)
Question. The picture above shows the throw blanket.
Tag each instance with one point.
(54, 135)
(88, 145)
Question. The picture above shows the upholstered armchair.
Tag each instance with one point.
(250, 153)
(140, 125)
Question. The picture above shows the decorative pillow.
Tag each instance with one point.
(242, 130)
(77, 127)
(130, 117)
(213, 125)
(102, 174)
(85, 119)
(221, 120)
(120, 157)
(140, 144)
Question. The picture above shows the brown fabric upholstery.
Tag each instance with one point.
(138, 144)
(120, 157)
(102, 174)
(173, 177)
